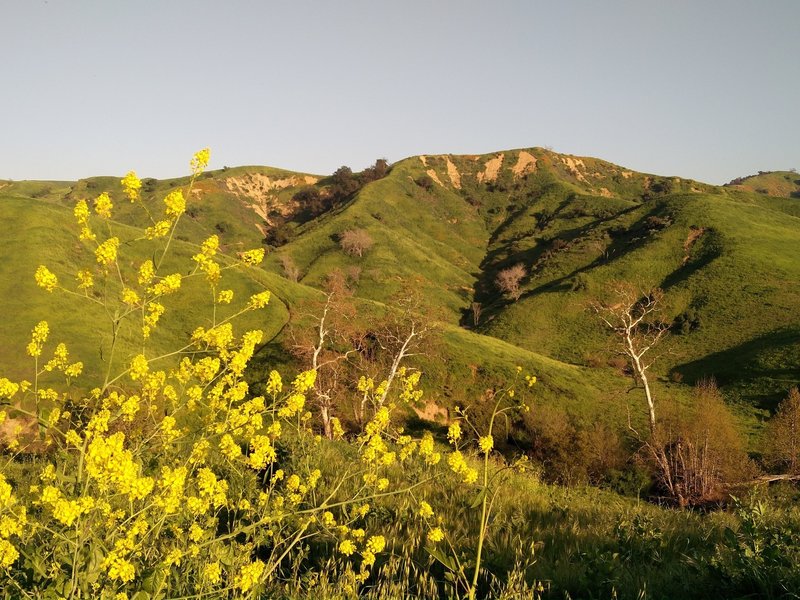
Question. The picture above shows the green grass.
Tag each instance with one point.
(576, 223)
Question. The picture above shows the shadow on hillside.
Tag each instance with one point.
(710, 249)
(632, 238)
(760, 370)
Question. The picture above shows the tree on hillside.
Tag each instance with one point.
(355, 242)
(631, 315)
(782, 450)
(508, 280)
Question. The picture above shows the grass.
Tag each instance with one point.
(576, 223)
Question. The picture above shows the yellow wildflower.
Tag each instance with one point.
(436, 535)
(159, 230)
(200, 161)
(166, 285)
(106, 253)
(249, 576)
(425, 510)
(146, 272)
(347, 547)
(454, 432)
(8, 554)
(130, 297)
(103, 205)
(85, 279)
(252, 258)
(225, 297)
(131, 185)
(45, 279)
(139, 367)
(212, 572)
(38, 338)
(176, 204)
(81, 212)
(259, 300)
(7, 388)
(486, 443)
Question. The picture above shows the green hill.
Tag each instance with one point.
(784, 184)
(442, 228)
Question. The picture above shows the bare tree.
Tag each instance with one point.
(477, 308)
(355, 242)
(783, 439)
(320, 348)
(508, 280)
(631, 316)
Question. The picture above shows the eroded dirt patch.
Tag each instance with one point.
(260, 192)
(432, 174)
(526, 162)
(492, 168)
(452, 172)
(695, 233)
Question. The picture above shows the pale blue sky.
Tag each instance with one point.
(702, 89)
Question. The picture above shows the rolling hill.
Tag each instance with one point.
(443, 227)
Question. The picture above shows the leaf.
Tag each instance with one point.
(730, 537)
(478, 498)
(140, 595)
(447, 561)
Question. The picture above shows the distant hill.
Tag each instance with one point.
(785, 184)
(443, 227)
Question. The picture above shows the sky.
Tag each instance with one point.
(708, 90)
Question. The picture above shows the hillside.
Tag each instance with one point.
(443, 226)
(783, 184)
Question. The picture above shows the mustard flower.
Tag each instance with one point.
(328, 519)
(81, 212)
(336, 428)
(166, 285)
(213, 572)
(130, 297)
(486, 443)
(139, 367)
(159, 230)
(85, 279)
(73, 438)
(8, 388)
(229, 447)
(259, 300)
(200, 161)
(347, 547)
(74, 370)
(225, 297)
(175, 203)
(38, 338)
(262, 452)
(45, 278)
(454, 432)
(252, 258)
(131, 185)
(436, 535)
(106, 253)
(210, 246)
(103, 205)
(146, 272)
(249, 576)
(8, 554)
(425, 510)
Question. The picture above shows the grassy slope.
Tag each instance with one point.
(785, 184)
(576, 223)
